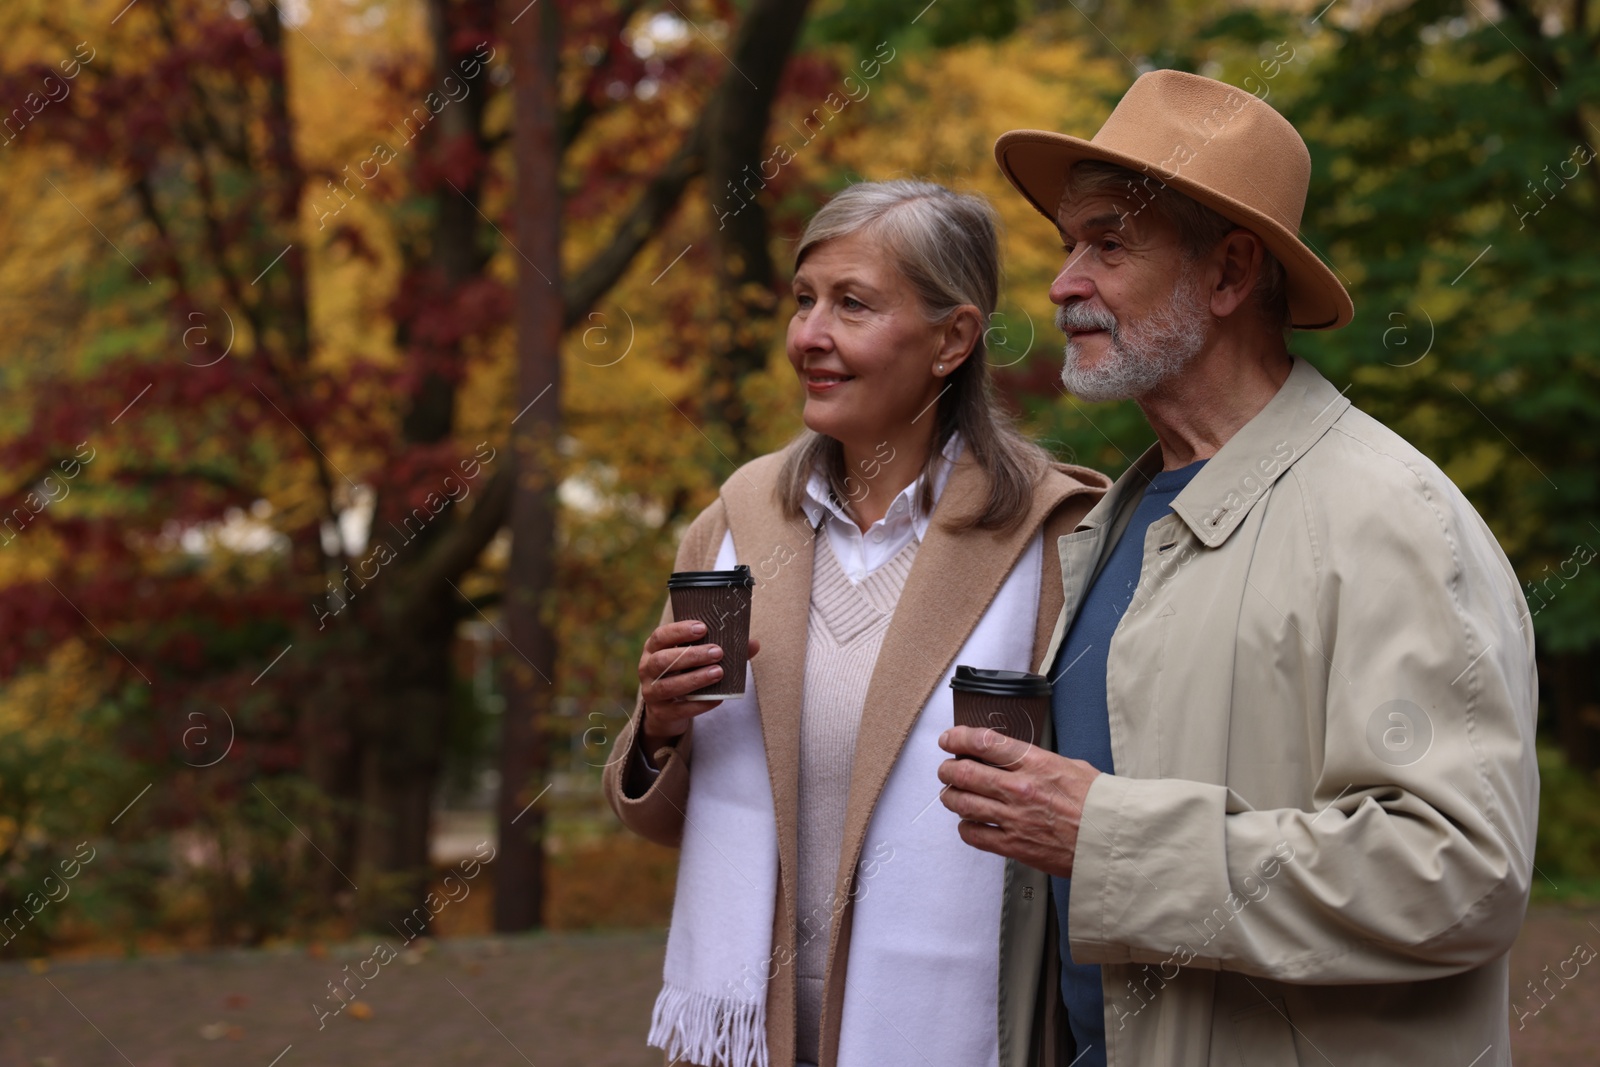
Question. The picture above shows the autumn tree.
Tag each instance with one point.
(300, 434)
(335, 445)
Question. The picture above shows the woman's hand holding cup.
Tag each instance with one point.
(673, 666)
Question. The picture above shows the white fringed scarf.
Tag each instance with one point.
(923, 963)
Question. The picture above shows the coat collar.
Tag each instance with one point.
(1239, 475)
(1229, 485)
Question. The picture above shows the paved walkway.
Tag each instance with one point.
(560, 999)
(550, 1001)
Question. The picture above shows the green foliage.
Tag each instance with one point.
(33, 786)
(941, 24)
(1243, 27)
(153, 845)
(59, 792)
(471, 732)
(1449, 185)
(1569, 823)
(1107, 437)
(257, 876)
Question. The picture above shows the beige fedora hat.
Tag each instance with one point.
(1215, 143)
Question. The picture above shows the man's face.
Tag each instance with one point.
(1129, 301)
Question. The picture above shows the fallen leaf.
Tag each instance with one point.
(235, 1000)
(214, 1031)
(360, 1010)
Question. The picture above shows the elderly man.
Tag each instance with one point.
(1290, 813)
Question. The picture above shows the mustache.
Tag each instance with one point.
(1083, 317)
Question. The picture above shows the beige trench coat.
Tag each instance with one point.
(951, 584)
(1316, 847)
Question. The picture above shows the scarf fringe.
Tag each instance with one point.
(707, 1030)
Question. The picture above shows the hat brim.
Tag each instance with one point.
(1037, 162)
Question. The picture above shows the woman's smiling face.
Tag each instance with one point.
(861, 343)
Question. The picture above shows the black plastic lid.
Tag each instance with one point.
(740, 575)
(1000, 683)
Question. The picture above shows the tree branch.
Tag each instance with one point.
(146, 196)
(161, 473)
(466, 607)
(1569, 120)
(584, 108)
(657, 202)
(235, 148)
(766, 36)
(458, 548)
(740, 113)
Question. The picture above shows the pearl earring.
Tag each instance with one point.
(939, 369)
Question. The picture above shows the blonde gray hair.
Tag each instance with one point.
(946, 245)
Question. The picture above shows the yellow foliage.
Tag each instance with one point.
(45, 706)
(938, 116)
(48, 702)
(632, 410)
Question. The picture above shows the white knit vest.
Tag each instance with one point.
(847, 624)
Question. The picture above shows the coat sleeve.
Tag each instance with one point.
(1414, 862)
(654, 808)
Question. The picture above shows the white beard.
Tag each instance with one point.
(1144, 354)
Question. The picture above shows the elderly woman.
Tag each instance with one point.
(827, 912)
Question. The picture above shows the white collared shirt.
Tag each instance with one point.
(862, 552)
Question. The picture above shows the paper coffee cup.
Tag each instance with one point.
(1014, 703)
(721, 600)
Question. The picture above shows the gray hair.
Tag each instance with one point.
(1199, 227)
(946, 245)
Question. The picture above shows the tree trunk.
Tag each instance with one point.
(404, 726)
(409, 635)
(1572, 698)
(530, 580)
(734, 157)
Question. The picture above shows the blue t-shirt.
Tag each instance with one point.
(1083, 725)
